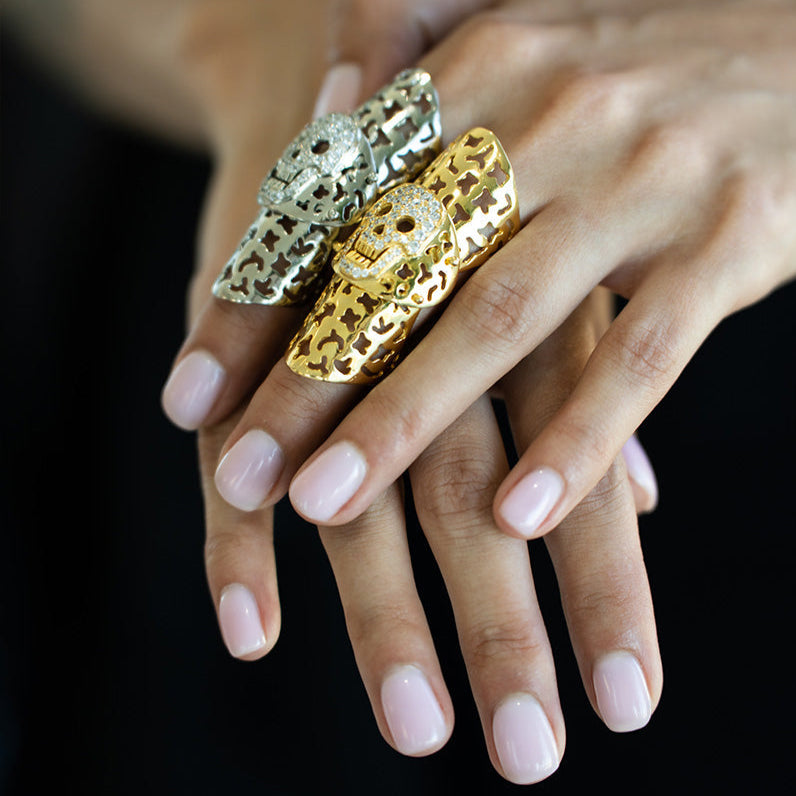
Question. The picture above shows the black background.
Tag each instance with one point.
(113, 678)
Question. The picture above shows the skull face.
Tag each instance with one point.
(326, 175)
(404, 249)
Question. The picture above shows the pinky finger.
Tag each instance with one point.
(631, 369)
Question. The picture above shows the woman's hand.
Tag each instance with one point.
(655, 154)
(595, 552)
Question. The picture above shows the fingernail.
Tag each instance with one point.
(621, 689)
(524, 740)
(329, 482)
(239, 619)
(529, 503)
(249, 470)
(413, 714)
(641, 473)
(192, 389)
(339, 91)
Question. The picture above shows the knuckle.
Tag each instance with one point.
(489, 30)
(380, 623)
(509, 639)
(646, 354)
(401, 421)
(455, 492)
(496, 308)
(598, 96)
(581, 432)
(606, 499)
(224, 550)
(606, 599)
(673, 147)
(293, 398)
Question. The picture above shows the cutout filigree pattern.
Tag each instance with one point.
(405, 255)
(325, 180)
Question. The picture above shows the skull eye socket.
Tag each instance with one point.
(383, 209)
(319, 147)
(405, 224)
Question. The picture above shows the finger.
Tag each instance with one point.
(240, 564)
(387, 626)
(606, 599)
(642, 477)
(369, 42)
(595, 550)
(228, 345)
(287, 417)
(278, 259)
(503, 311)
(631, 369)
(500, 627)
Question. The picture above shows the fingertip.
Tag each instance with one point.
(622, 693)
(240, 623)
(249, 470)
(320, 490)
(642, 476)
(192, 388)
(413, 713)
(523, 511)
(340, 90)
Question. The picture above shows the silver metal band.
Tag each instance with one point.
(325, 180)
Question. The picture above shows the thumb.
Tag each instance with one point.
(371, 40)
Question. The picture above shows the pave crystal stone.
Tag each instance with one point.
(409, 204)
(328, 143)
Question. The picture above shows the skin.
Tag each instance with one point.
(602, 577)
(654, 149)
(621, 96)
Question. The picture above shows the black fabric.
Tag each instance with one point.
(113, 678)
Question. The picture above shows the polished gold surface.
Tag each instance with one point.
(406, 255)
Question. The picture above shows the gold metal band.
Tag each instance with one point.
(406, 255)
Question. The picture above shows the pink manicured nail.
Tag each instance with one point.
(239, 618)
(329, 482)
(622, 694)
(192, 389)
(339, 91)
(529, 503)
(413, 714)
(641, 473)
(524, 740)
(248, 471)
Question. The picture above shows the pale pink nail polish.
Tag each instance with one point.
(240, 623)
(621, 690)
(531, 500)
(641, 473)
(321, 490)
(192, 389)
(524, 740)
(416, 721)
(339, 92)
(248, 471)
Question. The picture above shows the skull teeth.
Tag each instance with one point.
(365, 251)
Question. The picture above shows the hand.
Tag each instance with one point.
(655, 153)
(598, 563)
(239, 552)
